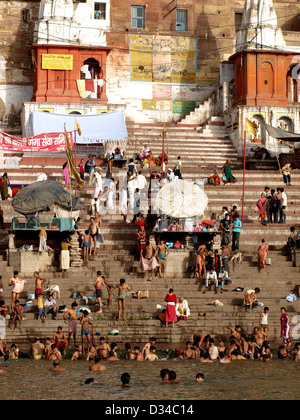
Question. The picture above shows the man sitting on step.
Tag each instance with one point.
(211, 277)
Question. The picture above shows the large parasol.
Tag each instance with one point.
(181, 199)
(39, 196)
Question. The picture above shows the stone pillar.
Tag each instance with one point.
(75, 252)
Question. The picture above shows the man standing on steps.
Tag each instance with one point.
(283, 206)
(236, 231)
(225, 225)
(177, 168)
(18, 286)
(39, 281)
(71, 316)
(91, 168)
(148, 261)
(98, 283)
(123, 292)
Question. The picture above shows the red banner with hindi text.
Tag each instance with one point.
(47, 142)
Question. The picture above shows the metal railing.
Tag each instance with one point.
(51, 223)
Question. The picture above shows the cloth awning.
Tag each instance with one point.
(277, 133)
(98, 128)
(41, 195)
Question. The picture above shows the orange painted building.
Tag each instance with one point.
(265, 78)
(57, 85)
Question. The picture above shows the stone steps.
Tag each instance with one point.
(116, 257)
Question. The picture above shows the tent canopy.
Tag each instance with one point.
(98, 128)
(39, 196)
(181, 199)
(277, 133)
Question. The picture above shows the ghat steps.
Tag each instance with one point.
(222, 195)
(201, 153)
(278, 281)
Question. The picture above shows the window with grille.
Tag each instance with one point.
(181, 20)
(25, 15)
(100, 11)
(138, 17)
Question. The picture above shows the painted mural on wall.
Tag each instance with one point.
(163, 58)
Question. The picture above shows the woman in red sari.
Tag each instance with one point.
(263, 253)
(171, 300)
(261, 204)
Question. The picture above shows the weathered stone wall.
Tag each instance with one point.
(16, 33)
(213, 23)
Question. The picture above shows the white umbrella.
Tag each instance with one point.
(181, 199)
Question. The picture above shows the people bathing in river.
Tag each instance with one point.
(203, 348)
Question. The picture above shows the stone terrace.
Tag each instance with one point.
(117, 258)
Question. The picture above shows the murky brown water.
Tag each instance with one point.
(31, 379)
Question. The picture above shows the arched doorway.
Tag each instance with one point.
(91, 69)
(266, 80)
(285, 123)
(91, 72)
(259, 120)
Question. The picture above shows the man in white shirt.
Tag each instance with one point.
(50, 306)
(211, 277)
(170, 175)
(98, 184)
(141, 181)
(224, 277)
(182, 308)
(131, 186)
(283, 206)
(41, 177)
(177, 168)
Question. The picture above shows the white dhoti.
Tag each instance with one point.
(43, 244)
(98, 185)
(110, 204)
(130, 200)
(65, 259)
(123, 202)
(2, 328)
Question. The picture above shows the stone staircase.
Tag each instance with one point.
(199, 147)
(278, 281)
(117, 258)
(203, 112)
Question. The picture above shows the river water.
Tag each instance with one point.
(27, 379)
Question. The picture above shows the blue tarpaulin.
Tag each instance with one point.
(98, 128)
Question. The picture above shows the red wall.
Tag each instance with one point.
(60, 85)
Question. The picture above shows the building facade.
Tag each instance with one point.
(266, 81)
(157, 60)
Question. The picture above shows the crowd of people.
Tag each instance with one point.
(272, 206)
(210, 265)
(203, 348)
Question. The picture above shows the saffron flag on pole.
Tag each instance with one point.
(72, 170)
(250, 127)
(77, 127)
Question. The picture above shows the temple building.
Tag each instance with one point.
(163, 60)
(266, 73)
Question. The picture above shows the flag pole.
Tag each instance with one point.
(244, 173)
(163, 153)
(75, 161)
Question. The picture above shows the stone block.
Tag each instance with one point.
(26, 262)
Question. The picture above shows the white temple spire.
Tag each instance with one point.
(259, 27)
